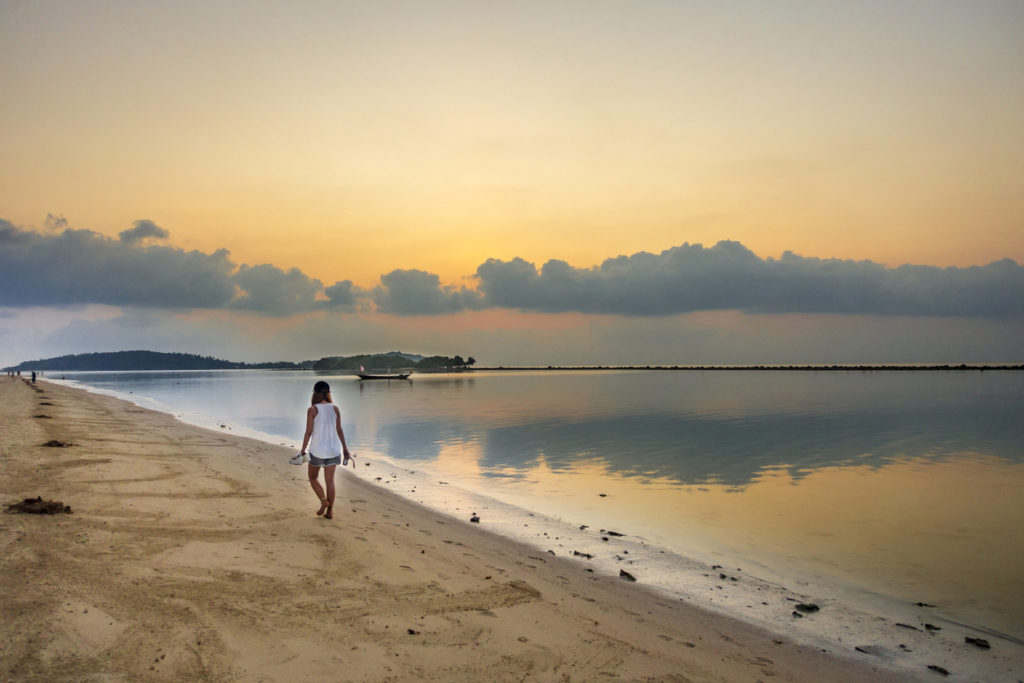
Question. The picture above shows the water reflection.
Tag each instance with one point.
(910, 481)
(693, 449)
(687, 427)
(949, 532)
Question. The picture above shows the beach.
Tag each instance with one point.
(195, 554)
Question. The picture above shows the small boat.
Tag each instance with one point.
(389, 375)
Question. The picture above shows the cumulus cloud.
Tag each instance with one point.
(12, 237)
(269, 289)
(55, 223)
(416, 292)
(727, 276)
(142, 230)
(85, 267)
(81, 266)
(341, 295)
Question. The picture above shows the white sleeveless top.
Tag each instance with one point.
(325, 442)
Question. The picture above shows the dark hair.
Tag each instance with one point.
(321, 393)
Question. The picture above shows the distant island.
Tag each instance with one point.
(398, 361)
(137, 360)
(112, 361)
(394, 360)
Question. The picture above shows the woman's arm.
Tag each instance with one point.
(310, 414)
(341, 433)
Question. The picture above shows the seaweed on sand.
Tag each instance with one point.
(38, 506)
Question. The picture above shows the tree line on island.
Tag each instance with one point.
(393, 360)
(397, 361)
(155, 360)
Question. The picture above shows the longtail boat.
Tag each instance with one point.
(389, 375)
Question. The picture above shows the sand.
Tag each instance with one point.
(192, 554)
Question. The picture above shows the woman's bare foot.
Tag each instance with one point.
(328, 514)
(324, 507)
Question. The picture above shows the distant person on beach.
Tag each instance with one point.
(326, 441)
(33, 377)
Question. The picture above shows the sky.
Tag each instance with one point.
(525, 183)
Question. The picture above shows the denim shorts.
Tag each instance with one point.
(324, 462)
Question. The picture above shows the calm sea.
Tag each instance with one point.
(906, 486)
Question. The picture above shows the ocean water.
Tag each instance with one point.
(871, 487)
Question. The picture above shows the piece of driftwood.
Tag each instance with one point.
(38, 506)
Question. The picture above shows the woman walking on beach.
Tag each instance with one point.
(326, 442)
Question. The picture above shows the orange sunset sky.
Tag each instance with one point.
(352, 139)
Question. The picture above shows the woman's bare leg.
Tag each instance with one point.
(314, 474)
(329, 481)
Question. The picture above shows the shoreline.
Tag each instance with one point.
(569, 571)
(194, 554)
(761, 588)
(823, 367)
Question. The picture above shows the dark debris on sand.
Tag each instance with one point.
(38, 506)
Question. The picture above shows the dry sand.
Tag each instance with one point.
(196, 555)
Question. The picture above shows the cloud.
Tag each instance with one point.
(142, 230)
(73, 267)
(416, 292)
(728, 276)
(272, 290)
(12, 237)
(55, 223)
(341, 295)
(83, 267)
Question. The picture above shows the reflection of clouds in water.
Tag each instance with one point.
(902, 480)
(411, 440)
(692, 428)
(496, 400)
(732, 452)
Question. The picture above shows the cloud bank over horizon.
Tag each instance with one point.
(63, 266)
(728, 276)
(73, 267)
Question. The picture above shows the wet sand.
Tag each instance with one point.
(192, 554)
